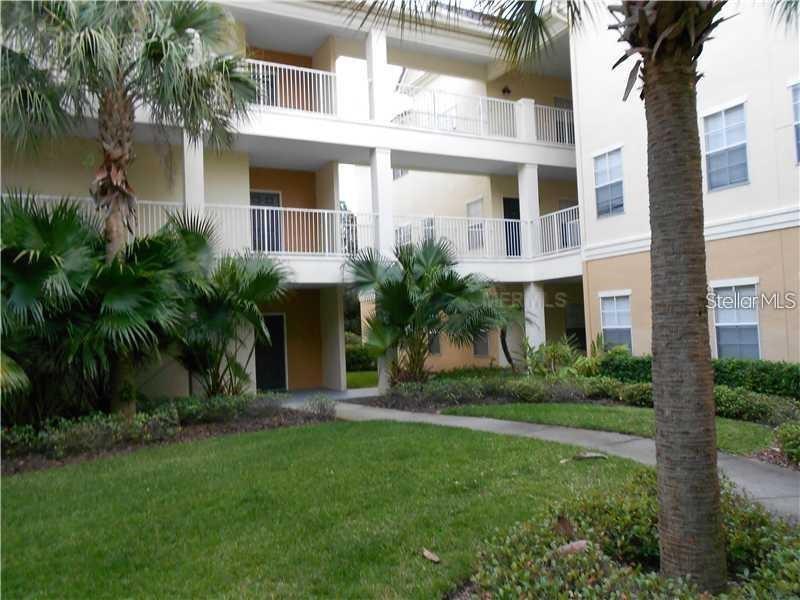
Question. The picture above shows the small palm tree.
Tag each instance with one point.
(68, 316)
(419, 296)
(216, 345)
(67, 63)
(668, 37)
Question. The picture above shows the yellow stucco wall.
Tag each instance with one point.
(541, 89)
(772, 257)
(551, 192)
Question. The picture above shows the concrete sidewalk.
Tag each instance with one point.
(775, 487)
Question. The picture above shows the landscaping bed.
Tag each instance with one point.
(165, 421)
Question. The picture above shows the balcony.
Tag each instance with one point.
(550, 235)
(300, 89)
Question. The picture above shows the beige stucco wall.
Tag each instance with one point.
(772, 257)
(540, 88)
(551, 192)
(156, 173)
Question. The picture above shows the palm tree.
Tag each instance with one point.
(668, 37)
(215, 345)
(419, 296)
(68, 63)
(68, 316)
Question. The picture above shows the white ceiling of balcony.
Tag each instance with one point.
(302, 27)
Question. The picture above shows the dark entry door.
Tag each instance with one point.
(513, 233)
(271, 358)
(266, 223)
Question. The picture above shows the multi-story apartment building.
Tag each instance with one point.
(371, 136)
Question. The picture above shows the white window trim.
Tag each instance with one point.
(736, 282)
(621, 180)
(613, 294)
(723, 106)
(606, 150)
(795, 119)
(266, 191)
(706, 178)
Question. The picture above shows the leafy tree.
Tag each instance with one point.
(66, 64)
(418, 296)
(218, 343)
(668, 37)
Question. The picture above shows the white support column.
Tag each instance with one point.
(525, 117)
(193, 176)
(380, 85)
(534, 314)
(528, 190)
(380, 165)
(331, 314)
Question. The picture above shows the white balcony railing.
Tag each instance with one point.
(426, 108)
(472, 238)
(554, 125)
(293, 88)
(558, 232)
(278, 230)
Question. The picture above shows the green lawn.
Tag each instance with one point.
(335, 510)
(361, 379)
(738, 437)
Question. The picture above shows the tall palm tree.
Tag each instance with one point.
(668, 37)
(419, 296)
(66, 63)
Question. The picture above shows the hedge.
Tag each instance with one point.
(358, 358)
(762, 376)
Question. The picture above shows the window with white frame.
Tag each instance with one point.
(736, 321)
(608, 183)
(726, 148)
(615, 317)
(480, 345)
(796, 111)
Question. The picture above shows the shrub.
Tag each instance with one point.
(601, 387)
(527, 389)
(741, 404)
(358, 358)
(552, 358)
(473, 372)
(788, 436)
(760, 376)
(192, 410)
(321, 407)
(763, 553)
(20, 440)
(637, 394)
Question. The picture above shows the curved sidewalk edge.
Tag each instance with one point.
(777, 488)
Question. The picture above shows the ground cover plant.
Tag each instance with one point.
(599, 545)
(334, 510)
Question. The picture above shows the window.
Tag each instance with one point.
(615, 314)
(726, 148)
(796, 110)
(608, 183)
(736, 320)
(480, 346)
(475, 225)
(434, 345)
(398, 173)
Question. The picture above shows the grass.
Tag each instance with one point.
(737, 437)
(361, 379)
(334, 510)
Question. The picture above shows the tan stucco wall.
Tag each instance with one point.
(541, 89)
(284, 58)
(551, 192)
(297, 188)
(772, 257)
(156, 173)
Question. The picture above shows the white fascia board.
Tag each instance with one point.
(718, 283)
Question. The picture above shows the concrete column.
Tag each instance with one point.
(384, 363)
(534, 314)
(528, 190)
(525, 118)
(194, 196)
(380, 84)
(331, 313)
(380, 165)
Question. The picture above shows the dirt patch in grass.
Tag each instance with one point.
(776, 457)
(277, 418)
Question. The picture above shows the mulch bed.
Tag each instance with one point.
(282, 417)
(776, 457)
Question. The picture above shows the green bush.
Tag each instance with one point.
(761, 376)
(192, 410)
(321, 407)
(788, 436)
(601, 387)
(637, 394)
(741, 404)
(622, 555)
(473, 372)
(358, 358)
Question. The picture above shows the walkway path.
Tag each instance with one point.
(775, 487)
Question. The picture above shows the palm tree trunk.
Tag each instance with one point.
(690, 531)
(506, 351)
(123, 393)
